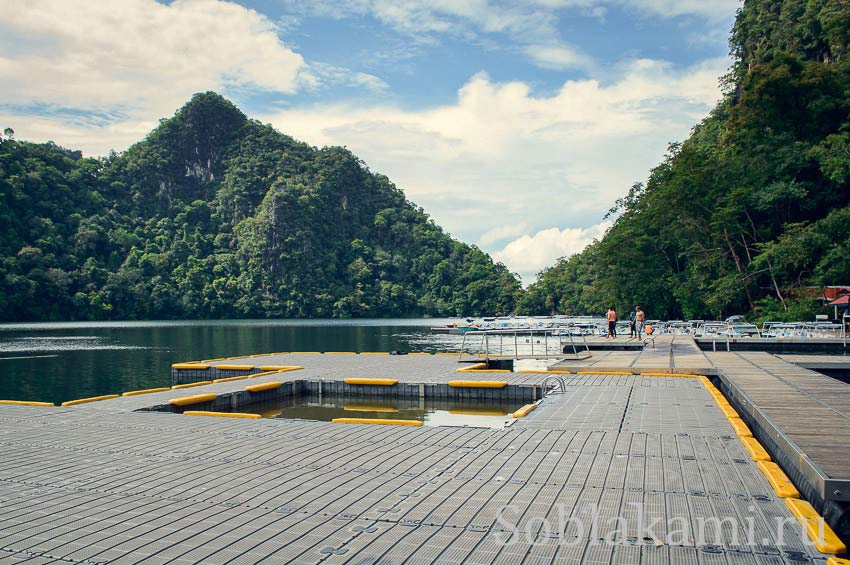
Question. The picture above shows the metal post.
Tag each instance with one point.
(516, 345)
(531, 334)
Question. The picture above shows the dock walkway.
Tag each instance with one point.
(104, 482)
(797, 412)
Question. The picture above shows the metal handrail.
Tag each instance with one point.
(546, 333)
(562, 385)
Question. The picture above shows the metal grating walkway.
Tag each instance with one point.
(97, 483)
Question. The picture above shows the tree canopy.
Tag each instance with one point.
(214, 215)
(754, 206)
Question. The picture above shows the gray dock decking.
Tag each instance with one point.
(102, 482)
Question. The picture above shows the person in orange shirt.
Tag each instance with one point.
(611, 316)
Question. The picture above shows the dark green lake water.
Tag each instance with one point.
(55, 362)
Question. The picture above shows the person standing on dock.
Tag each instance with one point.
(640, 320)
(632, 324)
(611, 316)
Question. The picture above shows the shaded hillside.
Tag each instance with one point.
(755, 205)
(216, 215)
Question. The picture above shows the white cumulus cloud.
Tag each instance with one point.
(529, 254)
(500, 156)
(556, 56)
(132, 51)
(501, 232)
(139, 58)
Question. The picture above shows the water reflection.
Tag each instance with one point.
(80, 359)
(429, 412)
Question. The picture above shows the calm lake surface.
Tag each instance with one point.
(55, 362)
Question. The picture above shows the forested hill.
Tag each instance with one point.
(755, 205)
(215, 215)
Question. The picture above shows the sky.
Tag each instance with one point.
(515, 125)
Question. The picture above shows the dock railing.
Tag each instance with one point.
(520, 344)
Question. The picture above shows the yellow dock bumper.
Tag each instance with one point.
(379, 421)
(87, 400)
(478, 384)
(782, 485)
(364, 381)
(263, 386)
(145, 391)
(222, 414)
(194, 399)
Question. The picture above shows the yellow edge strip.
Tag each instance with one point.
(263, 386)
(447, 353)
(478, 384)
(190, 366)
(779, 481)
(245, 356)
(741, 429)
(87, 400)
(221, 414)
(483, 371)
(228, 379)
(145, 391)
(359, 381)
(419, 353)
(194, 399)
(837, 561)
(524, 411)
(782, 486)
(756, 450)
(374, 353)
(339, 353)
(474, 367)
(536, 372)
(817, 529)
(190, 385)
(235, 367)
(685, 375)
(214, 360)
(604, 373)
(306, 353)
(357, 408)
(25, 403)
(385, 422)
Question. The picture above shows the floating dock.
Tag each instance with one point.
(644, 436)
(774, 344)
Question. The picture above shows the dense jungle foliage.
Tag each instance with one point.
(754, 207)
(214, 215)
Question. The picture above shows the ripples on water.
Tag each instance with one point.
(61, 343)
(80, 359)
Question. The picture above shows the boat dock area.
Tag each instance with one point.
(642, 466)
